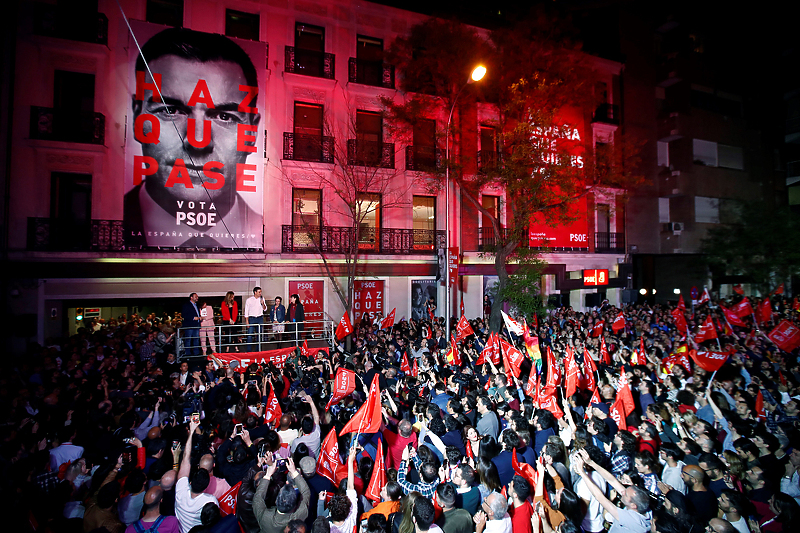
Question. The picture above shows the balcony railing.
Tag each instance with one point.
(606, 113)
(488, 160)
(53, 234)
(423, 158)
(487, 240)
(338, 239)
(310, 63)
(301, 147)
(609, 243)
(373, 73)
(56, 124)
(370, 154)
(67, 23)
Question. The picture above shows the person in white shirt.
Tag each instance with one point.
(310, 429)
(189, 496)
(734, 505)
(254, 309)
(343, 516)
(493, 516)
(671, 474)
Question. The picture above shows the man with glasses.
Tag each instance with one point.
(493, 516)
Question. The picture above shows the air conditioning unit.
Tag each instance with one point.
(675, 227)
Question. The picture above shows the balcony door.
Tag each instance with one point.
(488, 154)
(308, 128)
(309, 49)
(369, 137)
(73, 105)
(424, 138)
(369, 57)
(70, 210)
(368, 211)
(306, 217)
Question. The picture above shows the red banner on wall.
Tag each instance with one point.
(572, 235)
(367, 298)
(312, 296)
(452, 267)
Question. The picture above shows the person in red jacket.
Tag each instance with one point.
(230, 312)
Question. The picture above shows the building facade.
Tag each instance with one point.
(247, 149)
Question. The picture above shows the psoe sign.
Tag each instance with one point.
(595, 277)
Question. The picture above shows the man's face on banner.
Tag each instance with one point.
(179, 78)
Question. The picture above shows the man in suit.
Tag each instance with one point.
(191, 320)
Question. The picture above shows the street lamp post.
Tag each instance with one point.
(477, 74)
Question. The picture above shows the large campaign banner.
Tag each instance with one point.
(194, 142)
(564, 138)
(312, 296)
(367, 299)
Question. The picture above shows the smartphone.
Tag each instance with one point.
(253, 382)
(196, 418)
(175, 444)
(237, 429)
(129, 440)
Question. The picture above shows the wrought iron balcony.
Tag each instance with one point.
(370, 154)
(607, 114)
(310, 63)
(338, 240)
(68, 23)
(487, 240)
(488, 160)
(300, 147)
(53, 234)
(609, 243)
(373, 73)
(56, 124)
(423, 158)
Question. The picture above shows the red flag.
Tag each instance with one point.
(512, 358)
(597, 329)
(388, 322)
(548, 401)
(680, 321)
(605, 358)
(738, 289)
(642, 351)
(732, 318)
(329, 461)
(343, 385)
(678, 359)
(705, 331)
(619, 323)
(624, 393)
(463, 329)
(705, 297)
(635, 357)
(553, 371)
(617, 414)
(743, 308)
(531, 385)
(764, 311)
(272, 411)
(681, 303)
(523, 469)
(596, 396)
(709, 361)
(378, 480)
(227, 503)
(344, 328)
(762, 416)
(779, 290)
(304, 348)
(571, 382)
(404, 366)
(416, 367)
(496, 356)
(786, 336)
(589, 368)
(430, 314)
(368, 418)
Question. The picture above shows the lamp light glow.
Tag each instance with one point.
(642, 291)
(478, 73)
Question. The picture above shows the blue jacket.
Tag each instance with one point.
(277, 314)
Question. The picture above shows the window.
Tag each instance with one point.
(369, 137)
(492, 205)
(487, 157)
(706, 210)
(73, 106)
(167, 12)
(424, 139)
(663, 210)
(309, 49)
(603, 218)
(308, 131)
(368, 213)
(70, 210)
(704, 152)
(369, 58)
(663, 154)
(242, 25)
(730, 157)
(424, 223)
(306, 217)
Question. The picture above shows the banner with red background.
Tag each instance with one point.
(312, 296)
(367, 299)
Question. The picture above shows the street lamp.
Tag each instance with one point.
(477, 74)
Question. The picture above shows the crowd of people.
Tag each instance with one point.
(108, 431)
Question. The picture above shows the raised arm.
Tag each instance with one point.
(187, 452)
(594, 489)
(608, 476)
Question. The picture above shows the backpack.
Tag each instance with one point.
(153, 529)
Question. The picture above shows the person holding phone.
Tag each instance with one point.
(289, 505)
(189, 493)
